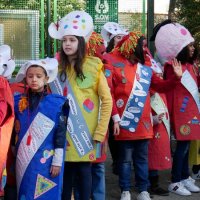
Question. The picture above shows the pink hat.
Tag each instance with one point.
(171, 39)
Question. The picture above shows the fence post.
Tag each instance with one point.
(42, 28)
(143, 17)
(150, 23)
(55, 19)
(48, 23)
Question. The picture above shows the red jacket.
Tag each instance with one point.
(6, 125)
(184, 114)
(120, 74)
(159, 153)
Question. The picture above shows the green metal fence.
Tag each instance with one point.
(24, 23)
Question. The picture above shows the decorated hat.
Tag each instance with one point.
(7, 65)
(157, 27)
(128, 44)
(111, 29)
(95, 45)
(78, 23)
(171, 39)
(50, 65)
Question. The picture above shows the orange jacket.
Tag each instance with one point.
(7, 124)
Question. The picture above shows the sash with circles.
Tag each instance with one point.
(188, 82)
(77, 126)
(158, 105)
(135, 104)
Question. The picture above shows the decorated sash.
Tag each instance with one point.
(34, 160)
(159, 107)
(135, 104)
(76, 127)
(40, 128)
(189, 83)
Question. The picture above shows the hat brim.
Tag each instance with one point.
(51, 72)
(9, 68)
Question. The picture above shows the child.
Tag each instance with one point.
(96, 47)
(82, 80)
(175, 41)
(129, 81)
(159, 154)
(40, 127)
(113, 33)
(7, 66)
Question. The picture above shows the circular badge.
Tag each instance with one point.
(120, 103)
(185, 129)
(91, 156)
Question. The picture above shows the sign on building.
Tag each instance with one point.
(102, 11)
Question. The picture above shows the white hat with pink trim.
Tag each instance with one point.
(78, 23)
(111, 29)
(171, 39)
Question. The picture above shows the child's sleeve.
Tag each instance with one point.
(3, 110)
(60, 136)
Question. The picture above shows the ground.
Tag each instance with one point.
(113, 191)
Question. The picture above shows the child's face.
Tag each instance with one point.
(117, 39)
(70, 45)
(191, 49)
(36, 78)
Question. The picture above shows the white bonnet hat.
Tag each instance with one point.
(7, 65)
(78, 23)
(171, 39)
(111, 29)
(49, 64)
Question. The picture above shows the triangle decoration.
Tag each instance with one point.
(43, 185)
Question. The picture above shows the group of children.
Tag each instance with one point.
(58, 123)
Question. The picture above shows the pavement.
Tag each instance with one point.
(113, 191)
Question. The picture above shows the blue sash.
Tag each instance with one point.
(76, 127)
(137, 98)
(33, 162)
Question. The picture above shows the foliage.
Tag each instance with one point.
(187, 12)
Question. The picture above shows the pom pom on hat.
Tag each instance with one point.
(95, 41)
(78, 23)
(128, 44)
(171, 39)
(50, 65)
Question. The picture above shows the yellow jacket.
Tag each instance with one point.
(93, 88)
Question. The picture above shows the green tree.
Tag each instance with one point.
(187, 12)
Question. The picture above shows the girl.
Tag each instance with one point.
(7, 66)
(129, 81)
(175, 41)
(40, 126)
(112, 33)
(82, 80)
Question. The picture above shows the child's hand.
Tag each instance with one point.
(160, 117)
(55, 170)
(116, 128)
(177, 67)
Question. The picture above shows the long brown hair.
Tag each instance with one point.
(64, 60)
